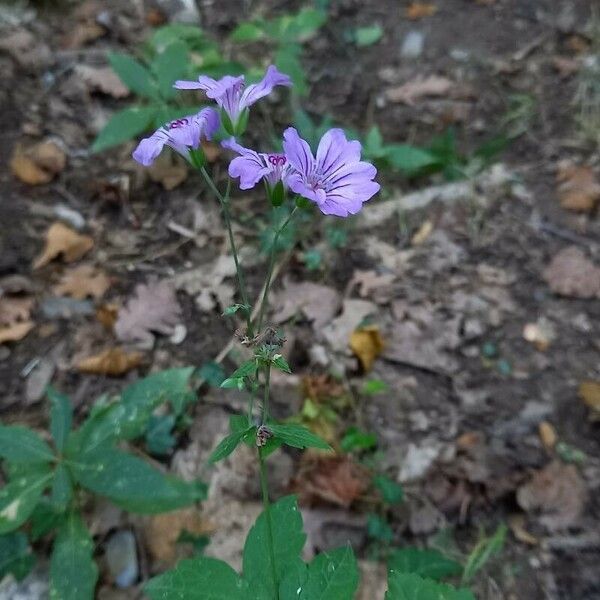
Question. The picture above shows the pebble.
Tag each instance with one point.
(72, 217)
(412, 46)
(65, 308)
(33, 587)
(121, 558)
(38, 380)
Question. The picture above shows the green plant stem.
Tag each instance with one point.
(265, 298)
(265, 406)
(264, 485)
(224, 202)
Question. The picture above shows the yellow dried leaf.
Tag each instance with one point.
(108, 314)
(517, 526)
(114, 361)
(367, 344)
(547, 435)
(420, 10)
(168, 170)
(589, 392)
(579, 189)
(15, 332)
(83, 281)
(38, 164)
(422, 234)
(61, 240)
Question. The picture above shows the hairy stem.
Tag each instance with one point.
(224, 202)
(264, 485)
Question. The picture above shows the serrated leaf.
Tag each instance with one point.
(280, 363)
(246, 369)
(297, 436)
(199, 578)
(134, 484)
(20, 495)
(168, 66)
(331, 576)
(288, 541)
(426, 563)
(61, 417)
(228, 444)
(22, 445)
(409, 586)
(133, 74)
(73, 572)
(62, 488)
(124, 125)
(16, 557)
(391, 491)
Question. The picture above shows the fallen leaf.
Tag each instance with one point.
(420, 10)
(571, 274)
(579, 189)
(420, 87)
(422, 234)
(589, 392)
(565, 66)
(373, 285)
(114, 361)
(15, 309)
(558, 492)
(578, 44)
(168, 170)
(82, 282)
(61, 240)
(337, 333)
(156, 17)
(107, 314)
(367, 344)
(39, 163)
(82, 34)
(153, 308)
(102, 79)
(517, 526)
(547, 435)
(540, 334)
(212, 151)
(15, 332)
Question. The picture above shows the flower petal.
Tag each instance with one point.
(334, 151)
(273, 77)
(149, 148)
(298, 152)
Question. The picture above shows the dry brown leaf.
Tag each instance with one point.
(62, 240)
(373, 285)
(367, 344)
(15, 309)
(82, 34)
(168, 170)
(82, 282)
(338, 332)
(422, 234)
(517, 526)
(579, 189)
(114, 361)
(571, 274)
(565, 66)
(37, 164)
(589, 392)
(420, 87)
(153, 308)
(558, 492)
(15, 332)
(212, 151)
(547, 435)
(420, 10)
(107, 314)
(102, 79)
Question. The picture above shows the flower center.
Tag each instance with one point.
(178, 123)
(277, 160)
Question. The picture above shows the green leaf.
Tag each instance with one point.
(331, 576)
(247, 32)
(15, 555)
(305, 24)
(19, 497)
(124, 125)
(356, 439)
(367, 36)
(229, 444)
(62, 488)
(391, 492)
(409, 586)
(288, 541)
(280, 363)
(213, 373)
(22, 445)
(374, 387)
(44, 519)
(379, 529)
(159, 435)
(483, 551)
(313, 259)
(287, 60)
(297, 436)
(132, 483)
(409, 159)
(61, 417)
(236, 383)
(168, 66)
(73, 572)
(199, 578)
(246, 369)
(426, 563)
(231, 310)
(133, 74)
(373, 147)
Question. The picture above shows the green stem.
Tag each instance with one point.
(265, 406)
(265, 297)
(264, 486)
(224, 202)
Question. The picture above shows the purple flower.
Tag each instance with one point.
(231, 93)
(337, 180)
(251, 166)
(181, 135)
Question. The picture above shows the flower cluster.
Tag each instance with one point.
(335, 179)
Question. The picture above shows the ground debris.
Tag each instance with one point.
(572, 274)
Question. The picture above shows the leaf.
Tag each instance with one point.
(246, 369)
(22, 445)
(37, 164)
(199, 578)
(159, 435)
(280, 363)
(153, 308)
(355, 439)
(367, 36)
(133, 74)
(231, 310)
(168, 66)
(16, 557)
(331, 576)
(391, 491)
(228, 444)
(16, 332)
(62, 240)
(247, 32)
(62, 488)
(409, 159)
(82, 282)
(418, 88)
(379, 529)
(287, 60)
(374, 387)
(297, 436)
(61, 417)
(213, 373)
(409, 586)
(112, 361)
(482, 553)
(367, 344)
(579, 189)
(426, 563)
(305, 24)
(127, 480)
(572, 274)
(124, 125)
(73, 572)
(420, 10)
(102, 79)
(15, 309)
(19, 497)
(288, 541)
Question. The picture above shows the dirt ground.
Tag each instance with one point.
(459, 424)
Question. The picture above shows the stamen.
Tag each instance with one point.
(178, 123)
(277, 160)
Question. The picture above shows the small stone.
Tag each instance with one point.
(459, 55)
(38, 380)
(65, 308)
(121, 558)
(179, 334)
(412, 46)
(70, 216)
(417, 461)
